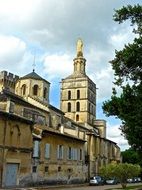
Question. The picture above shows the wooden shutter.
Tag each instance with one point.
(47, 150)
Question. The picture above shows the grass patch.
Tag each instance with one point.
(136, 187)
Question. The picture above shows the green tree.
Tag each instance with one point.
(121, 171)
(131, 156)
(127, 66)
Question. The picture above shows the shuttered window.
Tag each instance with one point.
(72, 153)
(60, 152)
(75, 154)
(47, 151)
(36, 149)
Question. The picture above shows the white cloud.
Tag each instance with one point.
(104, 83)
(114, 134)
(103, 80)
(59, 23)
(10, 44)
(121, 37)
(57, 66)
(17, 10)
(12, 49)
(14, 54)
(100, 71)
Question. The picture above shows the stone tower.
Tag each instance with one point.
(8, 81)
(32, 86)
(78, 92)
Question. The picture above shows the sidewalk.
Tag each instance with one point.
(47, 187)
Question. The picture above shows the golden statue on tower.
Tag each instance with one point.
(79, 48)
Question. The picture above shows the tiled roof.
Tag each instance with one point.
(33, 75)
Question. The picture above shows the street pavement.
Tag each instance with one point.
(87, 187)
(75, 187)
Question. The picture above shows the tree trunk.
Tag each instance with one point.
(123, 185)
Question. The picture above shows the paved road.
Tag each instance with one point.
(72, 187)
(86, 187)
(105, 187)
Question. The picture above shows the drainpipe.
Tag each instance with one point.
(88, 155)
(3, 151)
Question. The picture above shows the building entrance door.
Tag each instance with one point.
(11, 174)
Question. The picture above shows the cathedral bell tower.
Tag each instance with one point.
(78, 92)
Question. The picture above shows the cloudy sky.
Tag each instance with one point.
(46, 31)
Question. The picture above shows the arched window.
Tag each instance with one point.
(23, 89)
(35, 90)
(78, 94)
(92, 109)
(77, 117)
(69, 107)
(78, 106)
(89, 107)
(45, 93)
(69, 95)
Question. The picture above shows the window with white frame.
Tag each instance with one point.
(47, 150)
(60, 152)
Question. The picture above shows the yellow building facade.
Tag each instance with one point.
(15, 141)
(66, 145)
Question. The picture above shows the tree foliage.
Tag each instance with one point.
(121, 171)
(127, 66)
(131, 156)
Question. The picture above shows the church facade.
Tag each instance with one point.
(41, 144)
